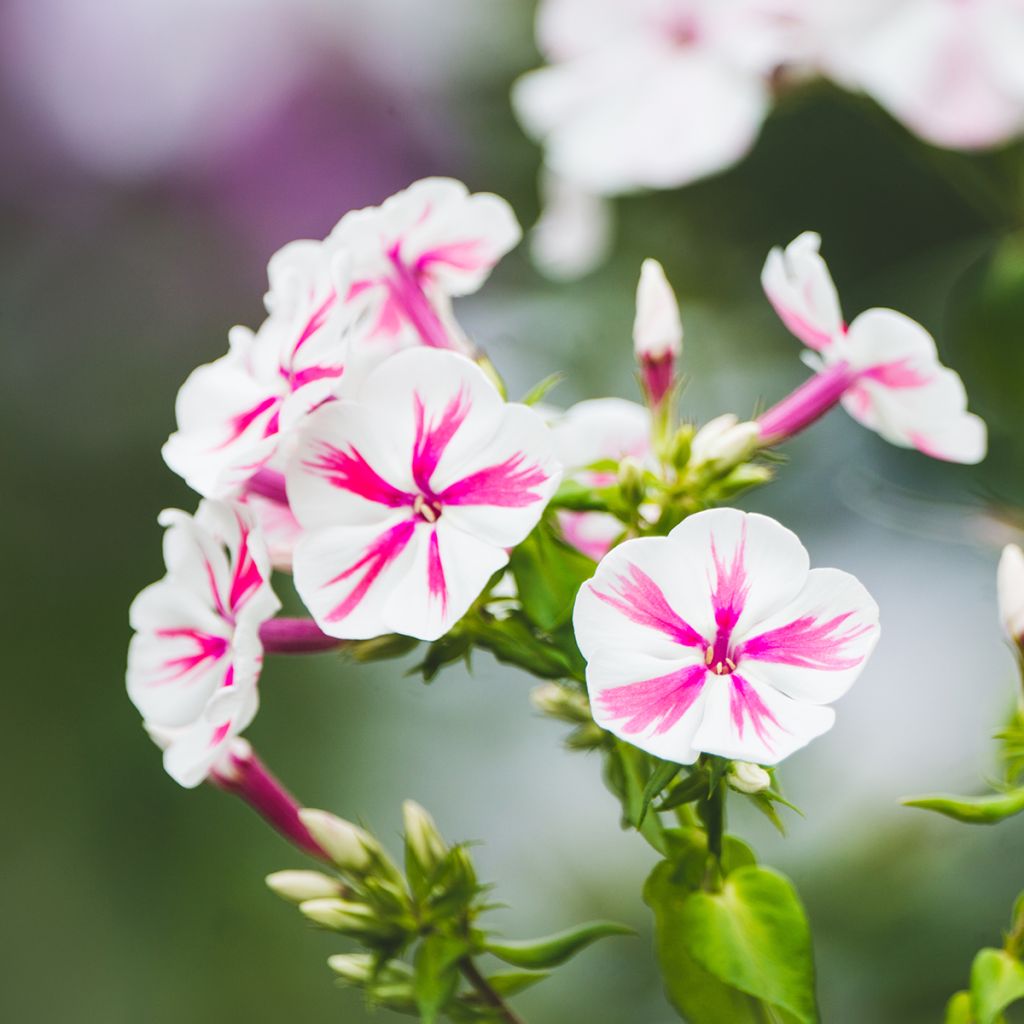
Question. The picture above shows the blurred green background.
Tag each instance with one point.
(155, 156)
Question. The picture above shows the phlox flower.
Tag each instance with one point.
(410, 494)
(195, 658)
(951, 70)
(416, 251)
(235, 413)
(719, 638)
(647, 93)
(590, 432)
(657, 332)
(883, 367)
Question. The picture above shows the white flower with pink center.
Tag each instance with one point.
(647, 93)
(410, 494)
(420, 248)
(235, 413)
(951, 70)
(591, 432)
(196, 655)
(720, 639)
(884, 367)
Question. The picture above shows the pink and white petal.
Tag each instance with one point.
(740, 567)
(602, 428)
(345, 575)
(498, 493)
(195, 559)
(799, 286)
(280, 529)
(343, 471)
(815, 647)
(434, 409)
(653, 703)
(592, 533)
(891, 346)
(449, 569)
(748, 721)
(646, 598)
(226, 427)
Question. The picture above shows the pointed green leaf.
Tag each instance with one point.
(698, 996)
(664, 772)
(958, 1009)
(509, 983)
(437, 973)
(978, 810)
(694, 786)
(552, 950)
(754, 936)
(997, 980)
(541, 388)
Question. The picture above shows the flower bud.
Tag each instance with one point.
(724, 441)
(346, 844)
(421, 835)
(746, 777)
(300, 886)
(561, 702)
(1010, 586)
(657, 331)
(355, 968)
(631, 481)
(356, 919)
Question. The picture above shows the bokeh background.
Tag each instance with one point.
(155, 153)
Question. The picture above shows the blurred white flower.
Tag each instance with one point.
(574, 232)
(1010, 586)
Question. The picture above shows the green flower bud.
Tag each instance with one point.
(300, 886)
(631, 481)
(350, 847)
(355, 919)
(561, 702)
(421, 835)
(745, 777)
(355, 968)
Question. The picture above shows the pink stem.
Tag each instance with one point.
(809, 402)
(295, 636)
(408, 294)
(268, 483)
(248, 777)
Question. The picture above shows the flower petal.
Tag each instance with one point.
(748, 721)
(815, 647)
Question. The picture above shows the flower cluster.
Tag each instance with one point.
(659, 93)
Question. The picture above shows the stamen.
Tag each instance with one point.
(731, 664)
(719, 669)
(428, 510)
(709, 655)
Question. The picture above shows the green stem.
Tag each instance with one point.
(486, 992)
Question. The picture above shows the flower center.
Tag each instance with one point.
(718, 660)
(427, 510)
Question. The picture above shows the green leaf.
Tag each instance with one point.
(694, 786)
(700, 997)
(548, 575)
(541, 388)
(997, 980)
(513, 642)
(552, 950)
(980, 810)
(958, 1009)
(437, 973)
(627, 771)
(753, 936)
(664, 772)
(510, 983)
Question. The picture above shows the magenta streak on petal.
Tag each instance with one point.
(247, 777)
(207, 648)
(408, 295)
(642, 601)
(661, 701)
(268, 483)
(809, 402)
(239, 424)
(295, 636)
(744, 703)
(813, 337)
(731, 587)
(899, 374)
(316, 321)
(219, 733)
(807, 642)
(924, 445)
(311, 374)
(434, 437)
(461, 255)
(435, 573)
(229, 676)
(506, 484)
(246, 579)
(349, 471)
(218, 602)
(384, 550)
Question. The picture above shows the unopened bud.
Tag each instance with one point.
(356, 919)
(561, 702)
(678, 446)
(300, 886)
(351, 848)
(724, 441)
(657, 331)
(355, 968)
(422, 836)
(746, 777)
(1010, 587)
(631, 481)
